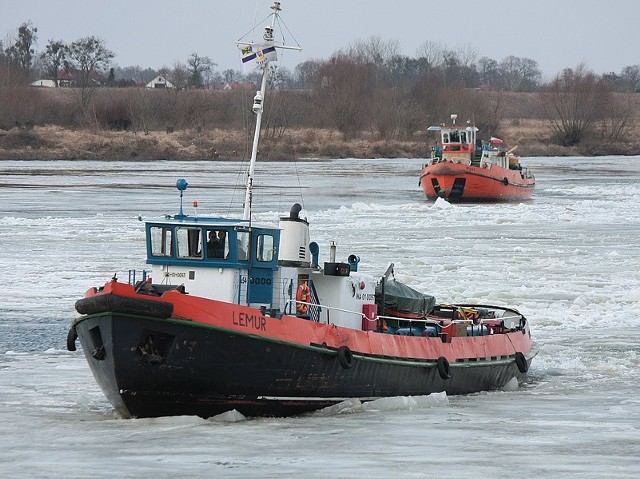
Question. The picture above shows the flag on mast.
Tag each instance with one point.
(254, 56)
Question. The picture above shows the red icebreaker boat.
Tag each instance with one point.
(464, 168)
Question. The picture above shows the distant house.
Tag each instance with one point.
(44, 83)
(160, 82)
(66, 78)
(97, 79)
(71, 77)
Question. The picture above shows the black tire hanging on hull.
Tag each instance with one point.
(71, 338)
(444, 369)
(345, 357)
(521, 362)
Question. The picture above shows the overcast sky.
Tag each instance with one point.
(154, 33)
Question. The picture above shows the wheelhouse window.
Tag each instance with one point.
(161, 244)
(217, 244)
(243, 245)
(189, 241)
(264, 250)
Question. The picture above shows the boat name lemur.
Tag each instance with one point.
(250, 321)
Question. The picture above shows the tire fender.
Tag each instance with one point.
(345, 357)
(521, 362)
(444, 369)
(71, 339)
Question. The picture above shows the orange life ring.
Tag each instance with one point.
(303, 294)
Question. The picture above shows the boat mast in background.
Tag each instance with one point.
(256, 55)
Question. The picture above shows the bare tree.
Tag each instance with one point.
(279, 77)
(519, 74)
(54, 56)
(432, 52)
(20, 105)
(179, 76)
(343, 90)
(198, 68)
(386, 112)
(145, 108)
(467, 55)
(375, 50)
(572, 104)
(630, 77)
(133, 74)
(615, 123)
(460, 67)
(230, 76)
(488, 70)
(22, 51)
(88, 54)
(305, 73)
(381, 53)
(492, 109)
(531, 74)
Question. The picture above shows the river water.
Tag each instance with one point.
(569, 259)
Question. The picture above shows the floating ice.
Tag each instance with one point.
(229, 416)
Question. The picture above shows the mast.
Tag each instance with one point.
(257, 109)
(254, 55)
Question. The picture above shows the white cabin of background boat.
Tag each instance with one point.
(459, 144)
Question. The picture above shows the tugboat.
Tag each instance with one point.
(465, 168)
(244, 316)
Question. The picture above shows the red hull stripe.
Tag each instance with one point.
(294, 330)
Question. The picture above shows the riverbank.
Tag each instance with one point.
(532, 137)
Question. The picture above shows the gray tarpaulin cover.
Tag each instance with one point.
(402, 298)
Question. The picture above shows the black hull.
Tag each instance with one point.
(150, 367)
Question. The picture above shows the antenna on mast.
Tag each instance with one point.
(253, 56)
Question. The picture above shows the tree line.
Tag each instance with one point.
(368, 86)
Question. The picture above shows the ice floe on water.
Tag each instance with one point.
(569, 259)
